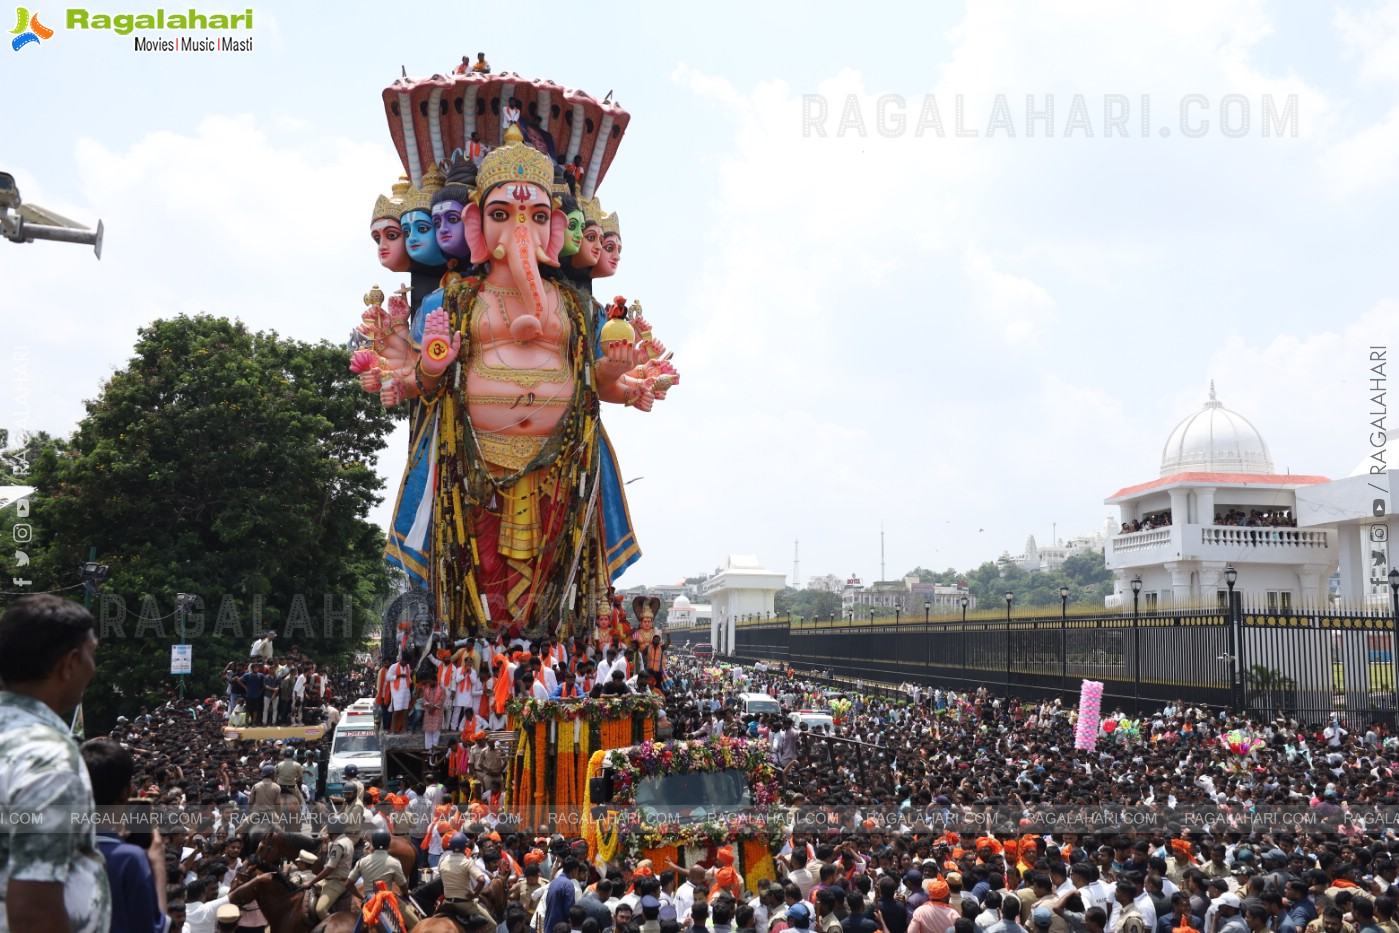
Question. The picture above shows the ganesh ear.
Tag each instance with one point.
(558, 229)
(475, 236)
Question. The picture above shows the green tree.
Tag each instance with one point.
(235, 466)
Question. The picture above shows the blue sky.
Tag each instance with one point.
(968, 339)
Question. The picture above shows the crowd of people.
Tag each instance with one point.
(1257, 518)
(1148, 522)
(902, 768)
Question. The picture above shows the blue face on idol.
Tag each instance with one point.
(421, 238)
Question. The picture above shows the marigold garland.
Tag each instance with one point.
(757, 862)
(541, 755)
(526, 711)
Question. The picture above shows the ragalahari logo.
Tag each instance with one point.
(28, 29)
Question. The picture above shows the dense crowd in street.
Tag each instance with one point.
(925, 756)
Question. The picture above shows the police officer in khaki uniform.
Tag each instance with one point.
(339, 861)
(492, 767)
(378, 866)
(462, 881)
(265, 797)
(289, 775)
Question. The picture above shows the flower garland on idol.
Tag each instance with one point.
(529, 711)
(631, 836)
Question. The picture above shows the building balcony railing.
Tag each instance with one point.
(1142, 540)
(1263, 543)
(1261, 536)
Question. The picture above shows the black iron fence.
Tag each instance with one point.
(1303, 665)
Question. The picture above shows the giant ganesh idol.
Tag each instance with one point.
(511, 512)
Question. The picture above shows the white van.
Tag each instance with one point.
(754, 703)
(356, 742)
(815, 720)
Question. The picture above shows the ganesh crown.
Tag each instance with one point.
(517, 163)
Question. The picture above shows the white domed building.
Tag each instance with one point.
(1218, 503)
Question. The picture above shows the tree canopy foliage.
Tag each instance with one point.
(231, 465)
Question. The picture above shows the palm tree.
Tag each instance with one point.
(1267, 688)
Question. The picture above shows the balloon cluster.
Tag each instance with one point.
(840, 709)
(1240, 744)
(1090, 702)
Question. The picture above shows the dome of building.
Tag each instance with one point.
(1215, 440)
(681, 602)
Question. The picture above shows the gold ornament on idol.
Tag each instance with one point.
(514, 163)
(390, 206)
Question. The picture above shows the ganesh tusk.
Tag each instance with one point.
(542, 255)
(498, 252)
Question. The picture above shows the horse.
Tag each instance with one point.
(493, 898)
(283, 903)
(286, 846)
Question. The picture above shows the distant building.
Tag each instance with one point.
(1049, 559)
(741, 588)
(1216, 504)
(908, 596)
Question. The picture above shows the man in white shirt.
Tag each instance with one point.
(298, 696)
(685, 894)
(604, 668)
(202, 907)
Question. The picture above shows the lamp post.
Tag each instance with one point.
(927, 638)
(896, 617)
(182, 604)
(962, 637)
(93, 575)
(1064, 638)
(1010, 598)
(1136, 647)
(1394, 651)
(1231, 576)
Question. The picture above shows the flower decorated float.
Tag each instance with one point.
(498, 338)
(511, 514)
(686, 802)
(546, 780)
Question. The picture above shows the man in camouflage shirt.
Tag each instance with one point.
(52, 876)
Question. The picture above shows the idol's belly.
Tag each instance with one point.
(531, 407)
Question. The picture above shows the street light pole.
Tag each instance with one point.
(962, 639)
(1231, 576)
(1064, 639)
(1010, 598)
(927, 638)
(1136, 648)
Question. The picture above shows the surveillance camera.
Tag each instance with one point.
(9, 191)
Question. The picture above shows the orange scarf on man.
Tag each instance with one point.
(502, 685)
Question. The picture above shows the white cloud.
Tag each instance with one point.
(1373, 36)
(1021, 309)
(1367, 160)
(1308, 394)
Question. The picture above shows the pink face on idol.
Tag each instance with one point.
(610, 255)
(590, 249)
(392, 249)
(509, 206)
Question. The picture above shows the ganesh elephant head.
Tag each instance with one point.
(513, 221)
